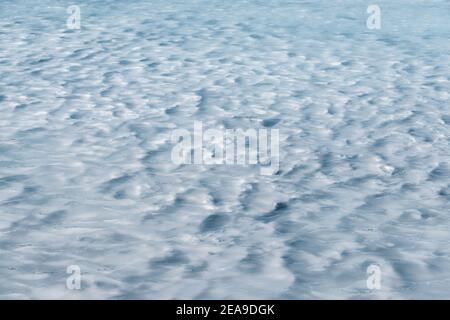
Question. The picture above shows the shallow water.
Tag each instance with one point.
(86, 176)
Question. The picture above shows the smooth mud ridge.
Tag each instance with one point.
(88, 185)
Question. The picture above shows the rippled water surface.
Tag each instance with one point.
(86, 176)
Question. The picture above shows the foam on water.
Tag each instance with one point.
(86, 176)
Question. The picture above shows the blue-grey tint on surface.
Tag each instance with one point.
(86, 177)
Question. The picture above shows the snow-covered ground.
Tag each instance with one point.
(86, 176)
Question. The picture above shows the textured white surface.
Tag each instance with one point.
(85, 172)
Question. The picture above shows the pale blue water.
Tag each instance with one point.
(86, 176)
